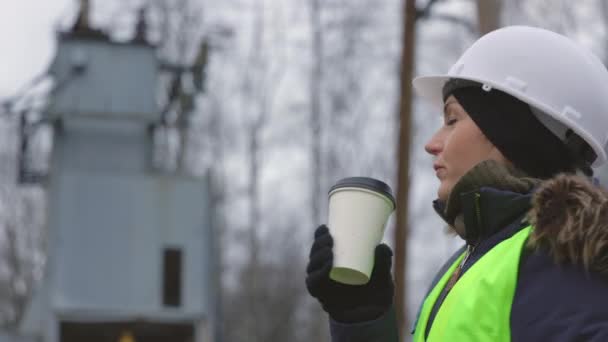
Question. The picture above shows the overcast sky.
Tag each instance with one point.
(27, 34)
(27, 39)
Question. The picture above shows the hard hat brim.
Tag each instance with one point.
(430, 88)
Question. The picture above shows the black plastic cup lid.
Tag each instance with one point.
(365, 183)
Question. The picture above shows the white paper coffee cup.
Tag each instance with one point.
(358, 210)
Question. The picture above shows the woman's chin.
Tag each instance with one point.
(443, 192)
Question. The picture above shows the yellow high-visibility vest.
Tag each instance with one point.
(478, 307)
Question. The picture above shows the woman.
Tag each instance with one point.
(525, 122)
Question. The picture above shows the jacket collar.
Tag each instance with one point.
(486, 211)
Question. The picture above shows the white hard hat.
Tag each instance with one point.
(565, 85)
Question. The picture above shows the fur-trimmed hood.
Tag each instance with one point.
(570, 220)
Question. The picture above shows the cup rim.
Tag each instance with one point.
(367, 183)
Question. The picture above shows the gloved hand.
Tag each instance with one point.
(349, 303)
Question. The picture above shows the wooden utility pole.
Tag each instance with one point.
(405, 119)
(488, 15)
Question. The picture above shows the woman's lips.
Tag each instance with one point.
(439, 171)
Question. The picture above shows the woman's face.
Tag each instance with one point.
(458, 146)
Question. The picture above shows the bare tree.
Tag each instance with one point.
(22, 235)
(177, 30)
(22, 255)
(318, 328)
(278, 299)
(262, 75)
(257, 118)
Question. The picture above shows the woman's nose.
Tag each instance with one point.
(434, 145)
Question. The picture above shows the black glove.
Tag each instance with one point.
(349, 303)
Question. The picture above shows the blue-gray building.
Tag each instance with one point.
(131, 249)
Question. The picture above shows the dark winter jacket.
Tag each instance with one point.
(562, 288)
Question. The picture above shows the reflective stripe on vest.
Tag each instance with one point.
(478, 308)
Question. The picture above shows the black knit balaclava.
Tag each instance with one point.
(512, 127)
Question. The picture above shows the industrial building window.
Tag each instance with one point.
(172, 277)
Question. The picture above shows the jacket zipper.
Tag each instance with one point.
(470, 247)
(478, 209)
(456, 275)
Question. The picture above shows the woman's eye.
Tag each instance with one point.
(450, 122)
